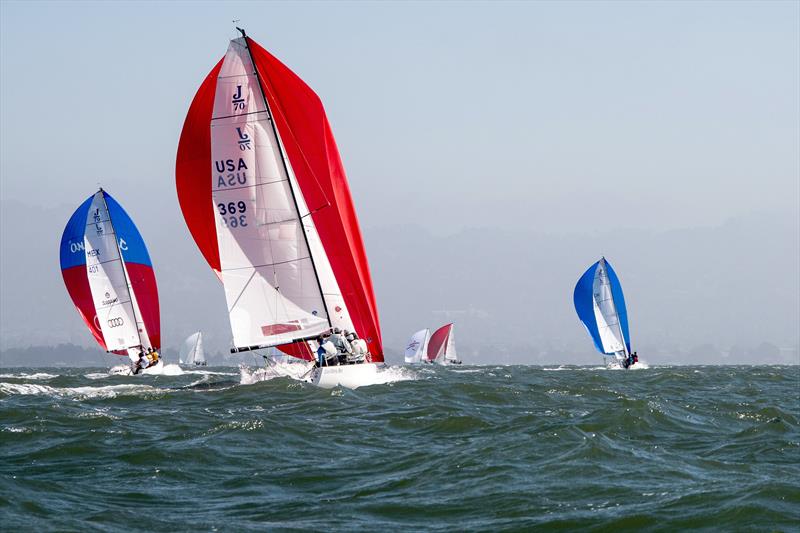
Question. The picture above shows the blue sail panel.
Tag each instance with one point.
(131, 243)
(584, 305)
(71, 253)
(619, 303)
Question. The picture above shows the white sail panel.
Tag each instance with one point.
(606, 312)
(108, 280)
(272, 291)
(450, 346)
(417, 346)
(186, 355)
(199, 354)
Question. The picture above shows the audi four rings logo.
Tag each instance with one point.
(115, 322)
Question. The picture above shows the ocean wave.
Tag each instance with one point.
(109, 391)
(23, 375)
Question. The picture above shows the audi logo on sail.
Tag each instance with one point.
(115, 322)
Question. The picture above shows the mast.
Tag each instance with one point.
(124, 269)
(291, 189)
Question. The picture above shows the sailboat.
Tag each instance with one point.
(192, 350)
(264, 194)
(417, 348)
(442, 346)
(601, 307)
(110, 278)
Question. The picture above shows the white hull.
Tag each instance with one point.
(617, 361)
(125, 370)
(349, 376)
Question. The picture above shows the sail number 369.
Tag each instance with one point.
(233, 214)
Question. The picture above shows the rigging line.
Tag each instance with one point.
(226, 189)
(265, 265)
(112, 232)
(239, 115)
(104, 262)
(242, 291)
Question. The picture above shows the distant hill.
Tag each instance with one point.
(712, 294)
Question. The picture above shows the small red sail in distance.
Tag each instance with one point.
(438, 342)
(306, 136)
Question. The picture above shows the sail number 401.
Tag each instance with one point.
(233, 214)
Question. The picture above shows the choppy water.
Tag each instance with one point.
(475, 448)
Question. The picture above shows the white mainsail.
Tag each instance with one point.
(278, 281)
(114, 300)
(199, 354)
(192, 350)
(605, 312)
(417, 347)
(450, 354)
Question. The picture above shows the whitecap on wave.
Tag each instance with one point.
(274, 370)
(110, 391)
(163, 370)
(392, 374)
(209, 373)
(301, 371)
(23, 375)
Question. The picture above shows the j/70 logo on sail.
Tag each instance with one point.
(244, 140)
(238, 99)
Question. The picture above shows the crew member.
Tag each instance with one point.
(340, 342)
(321, 351)
(359, 347)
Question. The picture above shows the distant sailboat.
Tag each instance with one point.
(417, 348)
(264, 193)
(601, 307)
(442, 346)
(192, 350)
(110, 278)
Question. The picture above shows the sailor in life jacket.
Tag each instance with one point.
(338, 340)
(359, 347)
(141, 363)
(326, 353)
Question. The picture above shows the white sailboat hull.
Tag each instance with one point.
(125, 370)
(348, 376)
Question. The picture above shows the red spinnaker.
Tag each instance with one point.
(438, 341)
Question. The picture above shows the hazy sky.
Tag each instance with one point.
(447, 114)
(536, 116)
